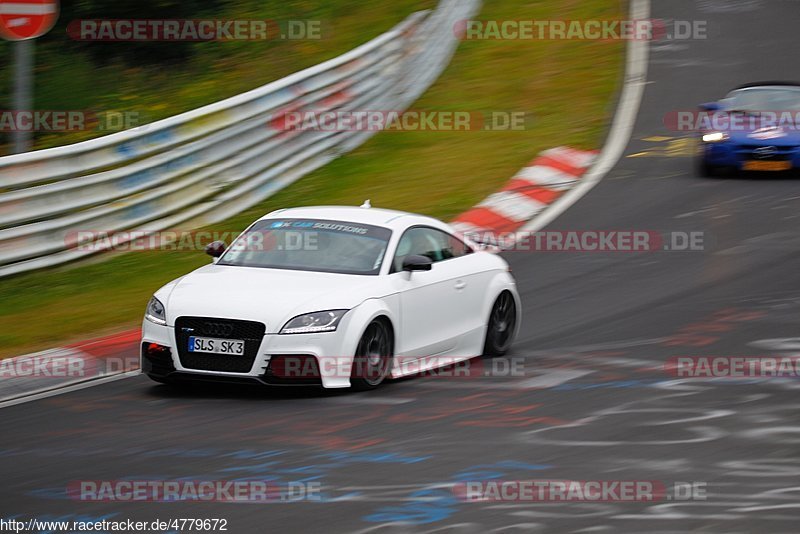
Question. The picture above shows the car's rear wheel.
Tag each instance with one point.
(373, 356)
(502, 325)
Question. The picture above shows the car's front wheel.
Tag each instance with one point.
(502, 325)
(373, 356)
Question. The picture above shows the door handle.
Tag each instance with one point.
(460, 285)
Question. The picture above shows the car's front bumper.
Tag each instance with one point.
(737, 156)
(330, 350)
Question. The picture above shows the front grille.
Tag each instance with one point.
(250, 331)
(749, 152)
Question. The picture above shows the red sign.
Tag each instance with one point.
(26, 19)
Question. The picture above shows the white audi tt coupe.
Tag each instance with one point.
(332, 296)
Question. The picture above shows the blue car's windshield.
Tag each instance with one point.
(310, 245)
(764, 99)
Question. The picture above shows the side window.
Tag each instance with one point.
(428, 242)
(455, 248)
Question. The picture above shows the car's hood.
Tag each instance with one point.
(272, 296)
(766, 137)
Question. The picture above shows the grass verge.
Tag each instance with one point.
(567, 86)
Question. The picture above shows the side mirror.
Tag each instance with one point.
(710, 106)
(417, 263)
(216, 249)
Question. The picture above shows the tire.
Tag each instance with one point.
(373, 356)
(502, 325)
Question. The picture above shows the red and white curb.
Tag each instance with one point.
(529, 193)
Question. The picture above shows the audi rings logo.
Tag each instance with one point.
(765, 152)
(217, 329)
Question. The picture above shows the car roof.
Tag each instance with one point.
(374, 216)
(768, 84)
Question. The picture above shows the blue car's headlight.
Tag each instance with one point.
(715, 137)
(156, 312)
(324, 321)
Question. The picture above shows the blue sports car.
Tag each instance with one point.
(756, 127)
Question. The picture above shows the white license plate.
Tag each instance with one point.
(233, 347)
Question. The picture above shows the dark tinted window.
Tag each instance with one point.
(764, 99)
(310, 245)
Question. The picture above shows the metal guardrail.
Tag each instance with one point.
(208, 164)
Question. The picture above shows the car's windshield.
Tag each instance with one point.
(764, 99)
(310, 245)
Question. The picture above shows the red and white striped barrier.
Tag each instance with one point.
(530, 192)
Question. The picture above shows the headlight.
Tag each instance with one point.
(715, 137)
(324, 321)
(156, 312)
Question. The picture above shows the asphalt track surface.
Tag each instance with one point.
(595, 402)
